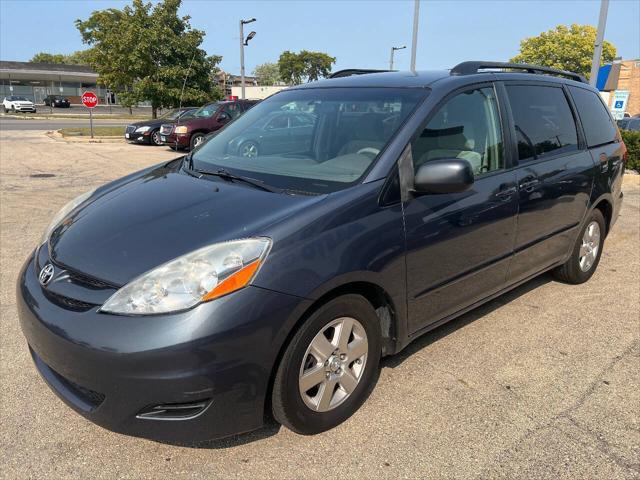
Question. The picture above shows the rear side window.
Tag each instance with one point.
(597, 123)
(543, 121)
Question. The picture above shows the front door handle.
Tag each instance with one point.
(529, 185)
(506, 194)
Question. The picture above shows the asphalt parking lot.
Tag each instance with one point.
(543, 382)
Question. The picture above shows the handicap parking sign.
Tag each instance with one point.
(619, 104)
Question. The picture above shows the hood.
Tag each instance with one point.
(138, 223)
(151, 123)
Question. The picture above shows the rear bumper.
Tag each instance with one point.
(113, 369)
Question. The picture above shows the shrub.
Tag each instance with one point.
(632, 141)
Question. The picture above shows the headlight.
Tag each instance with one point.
(181, 129)
(142, 129)
(196, 277)
(63, 212)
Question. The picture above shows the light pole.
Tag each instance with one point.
(414, 39)
(393, 49)
(243, 43)
(597, 50)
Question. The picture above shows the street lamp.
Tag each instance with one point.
(414, 35)
(243, 43)
(393, 49)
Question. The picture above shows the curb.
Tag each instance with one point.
(57, 136)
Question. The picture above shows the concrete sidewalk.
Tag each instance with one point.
(543, 382)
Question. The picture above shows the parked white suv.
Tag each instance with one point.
(16, 103)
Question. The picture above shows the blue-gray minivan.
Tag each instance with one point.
(268, 271)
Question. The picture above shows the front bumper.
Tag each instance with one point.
(112, 369)
(137, 137)
(25, 109)
(176, 140)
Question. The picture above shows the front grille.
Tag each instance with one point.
(166, 129)
(68, 303)
(130, 129)
(89, 282)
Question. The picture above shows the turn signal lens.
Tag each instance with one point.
(233, 282)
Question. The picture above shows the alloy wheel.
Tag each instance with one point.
(333, 364)
(155, 138)
(249, 150)
(590, 246)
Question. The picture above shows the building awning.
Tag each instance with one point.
(33, 72)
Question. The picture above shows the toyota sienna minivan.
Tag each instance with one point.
(193, 299)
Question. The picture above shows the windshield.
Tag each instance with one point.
(206, 111)
(21, 99)
(172, 114)
(315, 140)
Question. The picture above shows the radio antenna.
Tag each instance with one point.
(184, 84)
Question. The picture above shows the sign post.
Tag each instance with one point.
(90, 100)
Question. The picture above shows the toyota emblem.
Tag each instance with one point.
(46, 274)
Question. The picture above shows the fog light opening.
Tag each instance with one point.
(174, 411)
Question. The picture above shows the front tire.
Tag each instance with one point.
(329, 367)
(586, 252)
(155, 139)
(249, 149)
(196, 140)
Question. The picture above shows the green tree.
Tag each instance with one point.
(81, 57)
(43, 57)
(304, 66)
(146, 51)
(565, 47)
(317, 64)
(291, 68)
(267, 74)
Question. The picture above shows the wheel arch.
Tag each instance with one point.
(605, 205)
(379, 299)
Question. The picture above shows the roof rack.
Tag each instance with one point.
(467, 68)
(355, 71)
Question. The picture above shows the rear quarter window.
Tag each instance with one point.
(596, 121)
(543, 121)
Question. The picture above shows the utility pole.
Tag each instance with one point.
(414, 40)
(597, 50)
(244, 42)
(393, 49)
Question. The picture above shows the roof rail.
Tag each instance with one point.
(467, 68)
(355, 71)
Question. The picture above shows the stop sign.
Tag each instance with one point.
(89, 99)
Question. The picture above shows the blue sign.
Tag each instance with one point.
(619, 104)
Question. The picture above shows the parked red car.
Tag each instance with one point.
(191, 132)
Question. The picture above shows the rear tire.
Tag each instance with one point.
(586, 252)
(329, 367)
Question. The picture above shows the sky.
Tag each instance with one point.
(358, 33)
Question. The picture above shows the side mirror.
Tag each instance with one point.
(449, 175)
(224, 117)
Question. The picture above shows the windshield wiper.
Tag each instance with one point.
(227, 175)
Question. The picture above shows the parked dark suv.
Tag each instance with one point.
(186, 301)
(211, 117)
